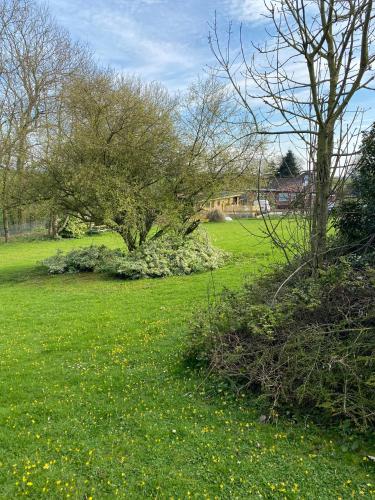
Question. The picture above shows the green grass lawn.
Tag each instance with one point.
(95, 401)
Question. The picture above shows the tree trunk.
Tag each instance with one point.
(53, 229)
(322, 192)
(6, 224)
(192, 227)
(129, 239)
(20, 168)
(50, 228)
(148, 222)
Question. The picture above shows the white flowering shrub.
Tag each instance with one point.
(56, 264)
(168, 255)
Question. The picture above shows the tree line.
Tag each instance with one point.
(77, 139)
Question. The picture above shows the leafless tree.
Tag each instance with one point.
(320, 53)
(218, 146)
(36, 57)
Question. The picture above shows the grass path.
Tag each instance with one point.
(95, 402)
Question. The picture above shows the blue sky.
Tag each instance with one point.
(164, 40)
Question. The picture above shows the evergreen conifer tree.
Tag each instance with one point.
(288, 166)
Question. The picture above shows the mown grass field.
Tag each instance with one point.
(96, 403)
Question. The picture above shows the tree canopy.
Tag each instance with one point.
(115, 157)
(129, 156)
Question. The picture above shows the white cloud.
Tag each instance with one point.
(248, 10)
(140, 37)
(131, 37)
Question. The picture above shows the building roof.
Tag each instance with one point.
(292, 184)
(227, 194)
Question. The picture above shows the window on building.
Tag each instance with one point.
(283, 196)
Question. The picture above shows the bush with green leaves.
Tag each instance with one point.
(311, 347)
(89, 259)
(167, 255)
(74, 228)
(354, 218)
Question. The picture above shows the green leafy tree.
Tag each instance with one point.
(114, 162)
(218, 150)
(130, 157)
(36, 58)
(355, 217)
(288, 166)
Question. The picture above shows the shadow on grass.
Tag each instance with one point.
(21, 275)
(38, 275)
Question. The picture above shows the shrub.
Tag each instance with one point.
(215, 215)
(354, 219)
(74, 228)
(56, 264)
(167, 256)
(88, 259)
(314, 349)
(348, 221)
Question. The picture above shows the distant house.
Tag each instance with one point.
(283, 193)
(229, 203)
(237, 204)
(290, 192)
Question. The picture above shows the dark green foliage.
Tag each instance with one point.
(314, 348)
(364, 182)
(348, 220)
(355, 218)
(288, 166)
(168, 255)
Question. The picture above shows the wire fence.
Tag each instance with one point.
(26, 228)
